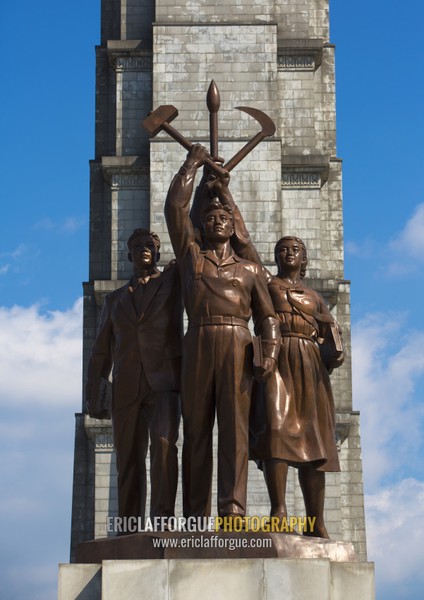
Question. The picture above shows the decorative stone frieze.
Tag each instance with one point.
(127, 55)
(144, 62)
(296, 62)
(125, 173)
(104, 441)
(301, 179)
(299, 55)
(304, 172)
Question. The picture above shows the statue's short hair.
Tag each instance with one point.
(215, 204)
(301, 243)
(141, 232)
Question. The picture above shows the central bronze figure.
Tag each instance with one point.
(221, 292)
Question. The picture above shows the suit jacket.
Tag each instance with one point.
(127, 342)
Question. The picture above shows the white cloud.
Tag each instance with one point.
(21, 250)
(363, 248)
(388, 362)
(68, 225)
(388, 366)
(395, 533)
(72, 224)
(12, 259)
(40, 390)
(40, 356)
(400, 256)
(408, 246)
(410, 241)
(45, 223)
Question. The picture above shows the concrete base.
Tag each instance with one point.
(80, 581)
(238, 579)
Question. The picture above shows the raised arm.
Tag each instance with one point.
(180, 226)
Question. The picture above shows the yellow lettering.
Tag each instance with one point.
(302, 524)
(274, 524)
(293, 523)
(284, 528)
(311, 521)
(265, 524)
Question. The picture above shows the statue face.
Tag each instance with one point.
(290, 256)
(218, 225)
(143, 253)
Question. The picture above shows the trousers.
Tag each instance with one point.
(216, 379)
(155, 415)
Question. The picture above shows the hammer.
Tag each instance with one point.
(160, 119)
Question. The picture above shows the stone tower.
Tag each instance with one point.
(275, 56)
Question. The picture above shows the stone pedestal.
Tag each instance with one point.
(237, 579)
(211, 565)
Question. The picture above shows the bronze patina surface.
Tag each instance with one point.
(139, 339)
(297, 424)
(221, 292)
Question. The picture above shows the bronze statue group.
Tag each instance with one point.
(273, 405)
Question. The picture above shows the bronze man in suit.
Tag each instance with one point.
(221, 291)
(139, 338)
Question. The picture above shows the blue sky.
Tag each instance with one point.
(47, 125)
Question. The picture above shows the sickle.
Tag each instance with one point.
(268, 129)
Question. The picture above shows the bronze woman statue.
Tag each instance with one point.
(297, 399)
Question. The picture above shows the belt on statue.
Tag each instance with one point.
(218, 320)
(298, 335)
